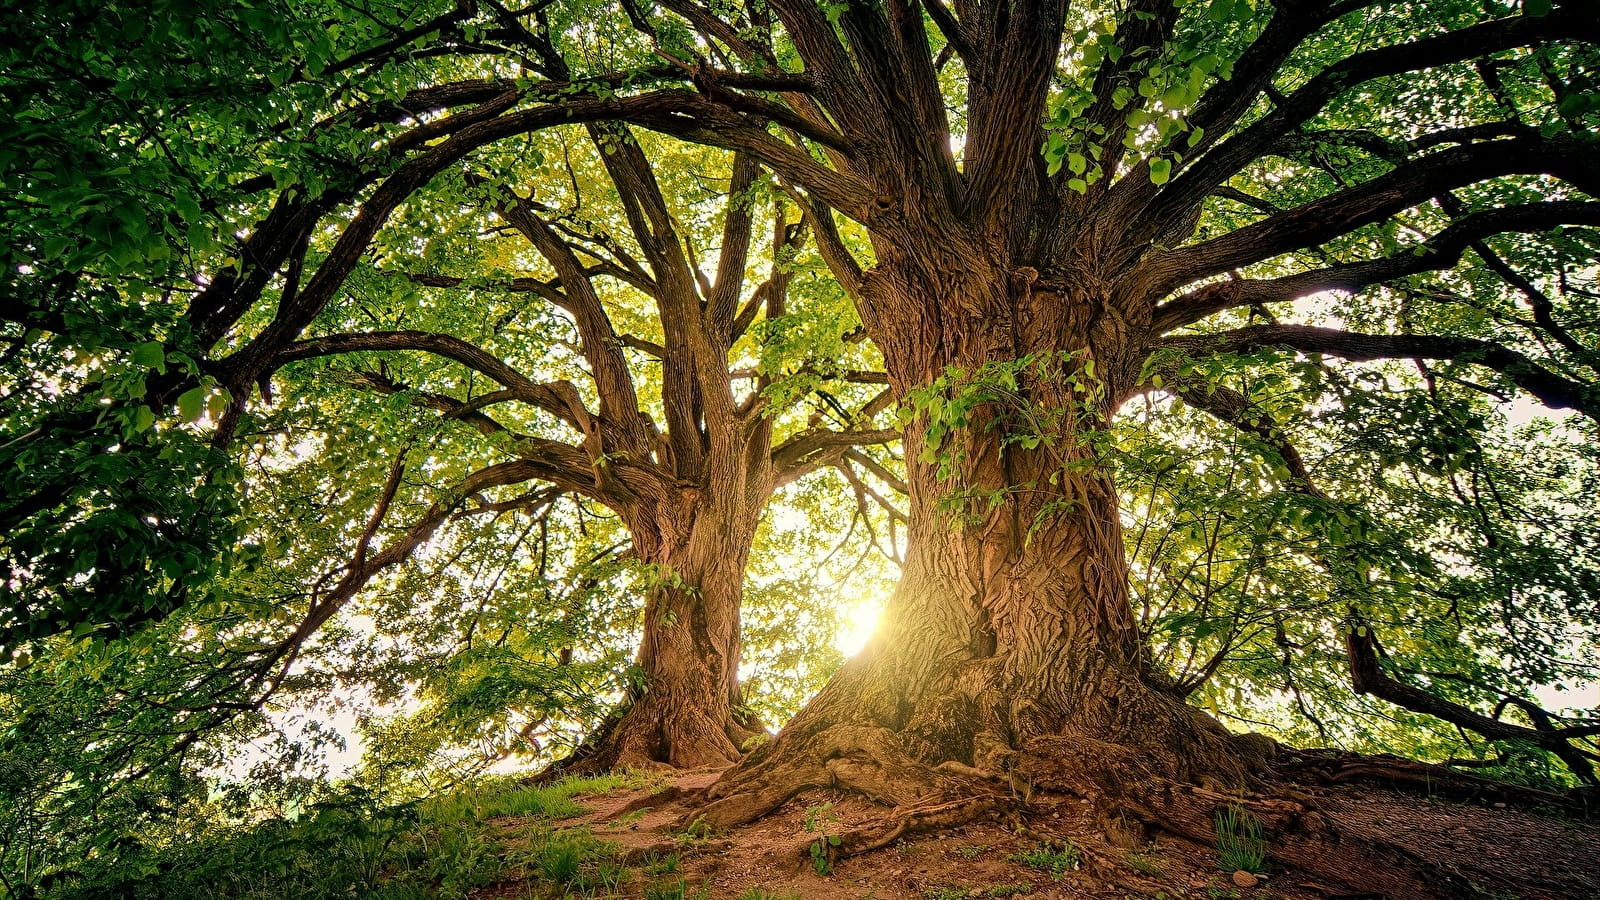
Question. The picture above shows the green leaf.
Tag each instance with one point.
(152, 355)
(192, 404)
(1160, 170)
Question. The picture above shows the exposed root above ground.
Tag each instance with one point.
(1321, 841)
(1125, 805)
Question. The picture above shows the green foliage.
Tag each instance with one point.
(696, 832)
(351, 842)
(1241, 840)
(662, 865)
(823, 822)
(1051, 858)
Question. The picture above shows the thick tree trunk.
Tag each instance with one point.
(1009, 650)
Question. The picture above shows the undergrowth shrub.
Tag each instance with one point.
(354, 845)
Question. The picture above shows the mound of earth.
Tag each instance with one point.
(1052, 847)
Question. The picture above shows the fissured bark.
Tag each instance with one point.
(1009, 648)
(686, 709)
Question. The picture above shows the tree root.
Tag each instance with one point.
(918, 819)
(863, 759)
(1137, 787)
(898, 824)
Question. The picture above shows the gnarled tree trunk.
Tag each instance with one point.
(1009, 648)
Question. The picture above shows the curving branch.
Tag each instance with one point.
(1368, 677)
(599, 343)
(569, 468)
(1372, 201)
(1234, 409)
(1233, 155)
(1220, 108)
(813, 449)
(682, 113)
(559, 398)
(1444, 250)
(1550, 388)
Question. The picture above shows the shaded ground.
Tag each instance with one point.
(1054, 850)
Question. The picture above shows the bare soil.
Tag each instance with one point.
(1503, 852)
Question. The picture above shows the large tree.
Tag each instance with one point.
(1042, 210)
(1020, 297)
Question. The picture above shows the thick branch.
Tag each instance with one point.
(560, 398)
(1367, 677)
(1372, 201)
(809, 450)
(1239, 151)
(1442, 251)
(1551, 389)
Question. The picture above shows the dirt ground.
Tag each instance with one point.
(1504, 853)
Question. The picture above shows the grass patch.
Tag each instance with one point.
(354, 843)
(661, 865)
(1241, 841)
(1051, 859)
(510, 797)
(1145, 863)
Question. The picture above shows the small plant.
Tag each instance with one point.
(559, 861)
(819, 815)
(1145, 863)
(819, 851)
(661, 865)
(1009, 890)
(698, 831)
(1048, 859)
(666, 890)
(1241, 843)
(972, 852)
(818, 820)
(611, 875)
(948, 892)
(461, 858)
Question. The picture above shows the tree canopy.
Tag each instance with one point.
(542, 372)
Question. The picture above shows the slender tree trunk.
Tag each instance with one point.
(685, 711)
